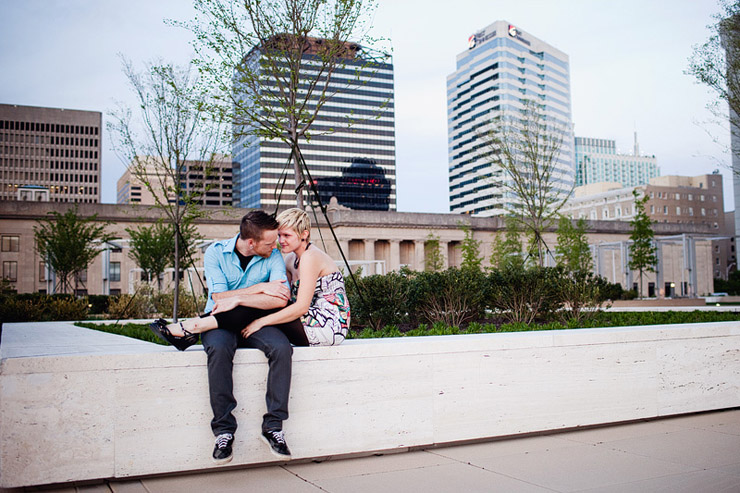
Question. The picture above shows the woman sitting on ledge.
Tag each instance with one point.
(318, 315)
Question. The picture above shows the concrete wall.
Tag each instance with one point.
(77, 404)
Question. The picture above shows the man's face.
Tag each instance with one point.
(264, 246)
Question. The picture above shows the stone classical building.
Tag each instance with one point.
(376, 241)
(54, 148)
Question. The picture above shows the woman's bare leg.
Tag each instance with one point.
(194, 325)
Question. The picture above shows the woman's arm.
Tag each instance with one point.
(308, 273)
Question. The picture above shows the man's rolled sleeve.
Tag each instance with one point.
(215, 276)
(277, 266)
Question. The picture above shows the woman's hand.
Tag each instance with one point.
(225, 305)
(252, 328)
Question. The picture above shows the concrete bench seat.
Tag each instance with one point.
(77, 404)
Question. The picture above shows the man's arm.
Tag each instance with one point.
(259, 300)
(259, 293)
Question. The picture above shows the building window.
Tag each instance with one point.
(115, 292)
(703, 211)
(678, 196)
(42, 272)
(115, 271)
(10, 243)
(605, 214)
(81, 276)
(691, 196)
(678, 211)
(10, 270)
(691, 211)
(665, 209)
(652, 209)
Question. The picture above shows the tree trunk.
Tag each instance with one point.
(176, 293)
(298, 172)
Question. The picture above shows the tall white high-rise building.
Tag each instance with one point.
(351, 154)
(503, 70)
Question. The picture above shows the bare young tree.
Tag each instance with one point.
(716, 64)
(272, 64)
(526, 145)
(171, 131)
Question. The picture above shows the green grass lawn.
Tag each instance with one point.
(600, 319)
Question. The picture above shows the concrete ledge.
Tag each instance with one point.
(77, 404)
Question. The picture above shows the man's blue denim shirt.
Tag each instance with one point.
(224, 271)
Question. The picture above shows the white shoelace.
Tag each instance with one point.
(279, 436)
(223, 439)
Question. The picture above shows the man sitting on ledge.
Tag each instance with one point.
(249, 268)
(248, 264)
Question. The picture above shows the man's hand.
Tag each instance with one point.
(225, 305)
(278, 289)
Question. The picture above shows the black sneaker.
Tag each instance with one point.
(276, 440)
(222, 452)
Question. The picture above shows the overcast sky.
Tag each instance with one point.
(627, 62)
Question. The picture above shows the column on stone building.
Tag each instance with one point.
(344, 245)
(369, 256)
(395, 256)
(443, 247)
(419, 257)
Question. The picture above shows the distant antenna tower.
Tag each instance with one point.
(637, 146)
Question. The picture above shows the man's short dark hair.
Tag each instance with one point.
(255, 223)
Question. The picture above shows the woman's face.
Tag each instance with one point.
(289, 240)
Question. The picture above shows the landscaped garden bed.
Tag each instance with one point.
(600, 319)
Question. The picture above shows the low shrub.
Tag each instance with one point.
(581, 294)
(98, 303)
(379, 300)
(453, 297)
(188, 305)
(37, 307)
(127, 306)
(525, 294)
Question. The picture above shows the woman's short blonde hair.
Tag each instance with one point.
(295, 219)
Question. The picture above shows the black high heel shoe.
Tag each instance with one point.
(159, 327)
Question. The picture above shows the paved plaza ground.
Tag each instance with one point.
(697, 453)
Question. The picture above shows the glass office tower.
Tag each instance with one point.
(355, 125)
(501, 72)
